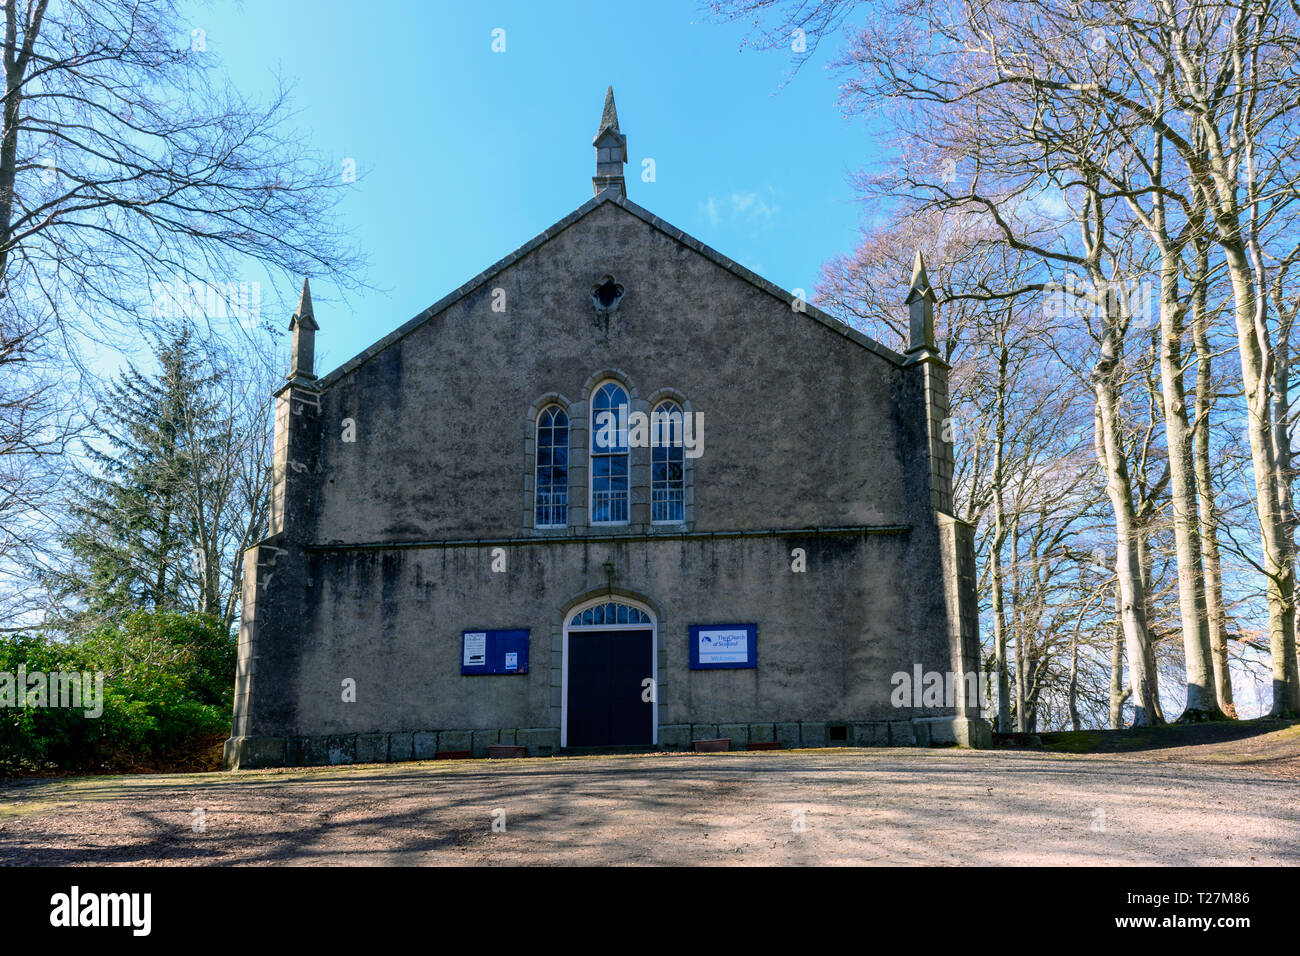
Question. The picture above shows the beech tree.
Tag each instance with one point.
(1022, 472)
(1166, 129)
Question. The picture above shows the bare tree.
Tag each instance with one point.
(126, 164)
(1023, 474)
(1184, 112)
(37, 424)
(136, 188)
(225, 483)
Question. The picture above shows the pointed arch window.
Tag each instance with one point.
(609, 455)
(667, 465)
(551, 501)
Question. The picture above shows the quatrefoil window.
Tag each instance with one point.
(606, 295)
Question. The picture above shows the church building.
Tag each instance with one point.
(616, 491)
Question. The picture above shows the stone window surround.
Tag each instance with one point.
(639, 467)
(656, 402)
(561, 408)
(612, 454)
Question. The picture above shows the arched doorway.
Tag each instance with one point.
(610, 675)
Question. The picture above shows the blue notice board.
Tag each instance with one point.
(717, 646)
(494, 652)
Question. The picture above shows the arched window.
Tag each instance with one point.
(611, 612)
(609, 455)
(667, 465)
(552, 485)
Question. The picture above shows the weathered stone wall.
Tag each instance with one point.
(828, 639)
(803, 427)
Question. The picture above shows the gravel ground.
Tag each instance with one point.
(1212, 805)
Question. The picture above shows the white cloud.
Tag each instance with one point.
(709, 210)
(752, 207)
(741, 208)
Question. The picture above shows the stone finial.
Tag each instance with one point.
(303, 326)
(609, 115)
(611, 151)
(920, 301)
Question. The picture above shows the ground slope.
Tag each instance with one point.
(1218, 802)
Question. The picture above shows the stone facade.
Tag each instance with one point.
(401, 478)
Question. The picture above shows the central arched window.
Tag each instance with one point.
(667, 465)
(609, 455)
(551, 500)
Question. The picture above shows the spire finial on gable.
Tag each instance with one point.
(608, 116)
(304, 313)
(304, 328)
(920, 281)
(920, 302)
(611, 151)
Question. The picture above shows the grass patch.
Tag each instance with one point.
(1166, 735)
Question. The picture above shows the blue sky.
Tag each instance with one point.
(467, 153)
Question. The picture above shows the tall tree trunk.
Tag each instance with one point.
(1128, 567)
(1202, 701)
(1022, 632)
(1146, 562)
(1279, 565)
(999, 623)
(995, 553)
(1219, 178)
(1282, 451)
(161, 599)
(1118, 695)
(1073, 691)
(1215, 613)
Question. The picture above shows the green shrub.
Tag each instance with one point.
(168, 682)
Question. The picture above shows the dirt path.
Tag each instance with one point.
(1211, 804)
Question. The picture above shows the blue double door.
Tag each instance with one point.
(609, 703)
